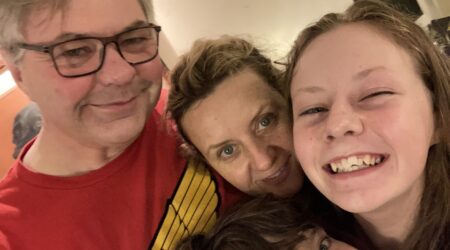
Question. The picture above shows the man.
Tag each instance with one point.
(101, 174)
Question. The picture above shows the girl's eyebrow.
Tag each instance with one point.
(366, 72)
(311, 89)
(307, 90)
(358, 76)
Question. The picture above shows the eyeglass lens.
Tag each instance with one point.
(84, 56)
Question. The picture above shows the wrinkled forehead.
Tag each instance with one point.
(45, 22)
(40, 12)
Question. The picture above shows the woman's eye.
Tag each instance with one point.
(266, 121)
(313, 111)
(379, 93)
(325, 244)
(227, 151)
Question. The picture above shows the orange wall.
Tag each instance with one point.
(10, 103)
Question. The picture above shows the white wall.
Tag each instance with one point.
(6, 82)
(433, 9)
(272, 24)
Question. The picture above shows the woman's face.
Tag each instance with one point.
(363, 119)
(242, 129)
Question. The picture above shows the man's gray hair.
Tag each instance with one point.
(14, 13)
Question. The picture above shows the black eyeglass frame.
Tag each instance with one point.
(104, 40)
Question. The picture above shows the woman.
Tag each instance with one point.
(370, 104)
(227, 104)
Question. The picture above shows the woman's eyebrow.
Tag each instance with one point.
(215, 146)
(258, 112)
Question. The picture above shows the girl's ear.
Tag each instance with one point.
(437, 134)
(436, 137)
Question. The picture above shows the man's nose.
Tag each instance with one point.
(115, 69)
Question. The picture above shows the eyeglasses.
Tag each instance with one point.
(85, 55)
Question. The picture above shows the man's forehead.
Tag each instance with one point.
(81, 17)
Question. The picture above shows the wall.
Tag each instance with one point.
(444, 6)
(271, 24)
(433, 9)
(6, 80)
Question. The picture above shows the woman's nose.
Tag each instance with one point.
(262, 155)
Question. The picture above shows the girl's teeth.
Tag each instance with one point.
(360, 162)
(353, 163)
(334, 167)
(367, 159)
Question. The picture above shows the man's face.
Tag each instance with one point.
(106, 108)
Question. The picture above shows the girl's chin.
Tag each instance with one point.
(358, 206)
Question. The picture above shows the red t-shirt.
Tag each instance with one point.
(137, 201)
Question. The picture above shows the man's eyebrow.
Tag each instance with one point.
(135, 24)
(70, 35)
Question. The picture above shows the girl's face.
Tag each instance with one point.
(363, 119)
(243, 131)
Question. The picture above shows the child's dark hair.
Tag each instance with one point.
(260, 223)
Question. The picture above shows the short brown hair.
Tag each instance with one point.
(432, 226)
(263, 223)
(205, 66)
